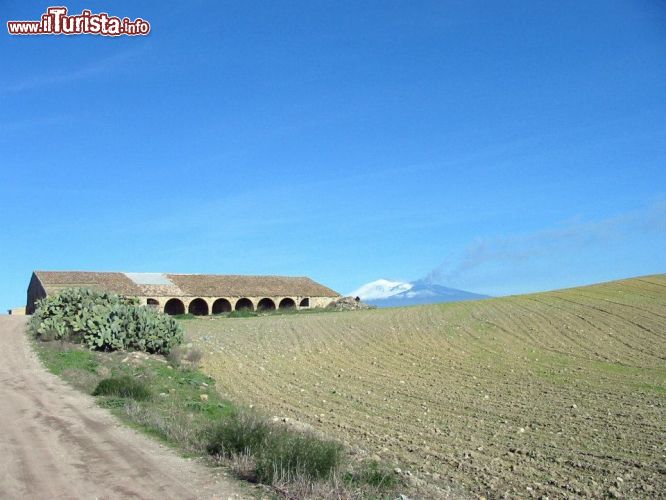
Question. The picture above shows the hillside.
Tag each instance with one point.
(545, 394)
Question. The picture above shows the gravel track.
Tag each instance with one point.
(56, 443)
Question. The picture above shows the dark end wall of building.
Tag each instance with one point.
(35, 292)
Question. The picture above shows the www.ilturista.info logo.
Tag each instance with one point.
(56, 21)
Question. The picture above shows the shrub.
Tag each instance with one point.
(174, 424)
(288, 455)
(241, 432)
(194, 357)
(372, 473)
(189, 355)
(184, 316)
(175, 356)
(112, 402)
(278, 454)
(242, 313)
(243, 465)
(48, 335)
(104, 321)
(123, 387)
(146, 329)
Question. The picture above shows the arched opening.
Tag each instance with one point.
(154, 303)
(174, 306)
(198, 307)
(221, 306)
(287, 303)
(244, 304)
(266, 305)
(305, 302)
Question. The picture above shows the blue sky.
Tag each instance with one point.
(498, 147)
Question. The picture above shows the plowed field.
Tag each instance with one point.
(557, 394)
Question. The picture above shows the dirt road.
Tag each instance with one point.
(56, 443)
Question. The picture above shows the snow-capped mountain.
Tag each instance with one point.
(389, 293)
(381, 289)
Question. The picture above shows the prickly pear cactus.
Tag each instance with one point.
(104, 321)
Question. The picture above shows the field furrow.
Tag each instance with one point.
(555, 394)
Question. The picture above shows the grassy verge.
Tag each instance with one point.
(249, 313)
(175, 402)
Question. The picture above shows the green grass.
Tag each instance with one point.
(658, 389)
(58, 358)
(242, 432)
(112, 402)
(185, 316)
(123, 387)
(249, 313)
(288, 454)
(180, 407)
(242, 313)
(372, 473)
(176, 412)
(279, 453)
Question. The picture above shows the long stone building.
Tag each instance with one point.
(198, 294)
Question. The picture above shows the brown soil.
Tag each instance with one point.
(56, 443)
(560, 394)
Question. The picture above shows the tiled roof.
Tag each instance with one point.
(185, 285)
(237, 286)
(113, 282)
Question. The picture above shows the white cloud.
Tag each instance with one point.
(569, 237)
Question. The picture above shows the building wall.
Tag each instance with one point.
(35, 292)
(313, 301)
(322, 301)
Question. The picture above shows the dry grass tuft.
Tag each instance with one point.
(185, 357)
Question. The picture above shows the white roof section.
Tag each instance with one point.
(149, 279)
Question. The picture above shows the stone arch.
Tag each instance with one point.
(266, 304)
(221, 306)
(287, 303)
(174, 306)
(153, 303)
(244, 303)
(305, 302)
(198, 307)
